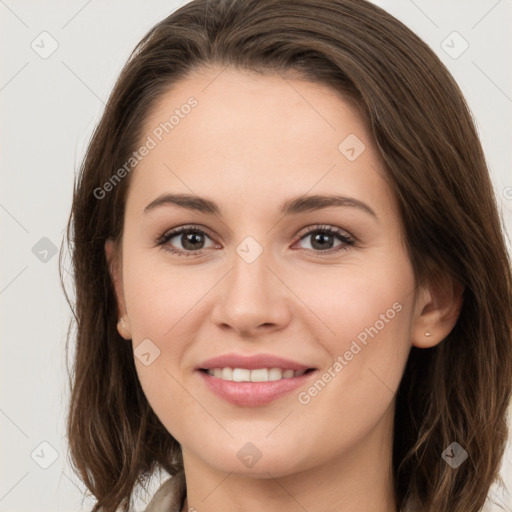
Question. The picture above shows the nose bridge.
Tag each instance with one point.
(251, 295)
(250, 273)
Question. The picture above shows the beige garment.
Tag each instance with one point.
(170, 495)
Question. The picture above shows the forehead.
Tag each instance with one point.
(233, 132)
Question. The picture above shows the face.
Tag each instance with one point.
(313, 300)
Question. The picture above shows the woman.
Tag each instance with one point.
(292, 289)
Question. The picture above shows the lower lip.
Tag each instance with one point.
(252, 394)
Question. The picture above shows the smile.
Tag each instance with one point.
(253, 380)
(254, 393)
(256, 375)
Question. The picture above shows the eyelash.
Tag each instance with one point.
(347, 240)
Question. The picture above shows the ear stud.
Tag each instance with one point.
(428, 333)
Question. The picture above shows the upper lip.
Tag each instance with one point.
(251, 362)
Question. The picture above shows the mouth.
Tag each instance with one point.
(255, 375)
(240, 391)
(253, 380)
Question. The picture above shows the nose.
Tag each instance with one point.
(252, 300)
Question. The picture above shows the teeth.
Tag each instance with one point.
(256, 375)
(241, 375)
(227, 373)
(275, 374)
(260, 375)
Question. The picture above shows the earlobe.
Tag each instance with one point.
(123, 328)
(113, 262)
(438, 309)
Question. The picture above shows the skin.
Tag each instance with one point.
(252, 142)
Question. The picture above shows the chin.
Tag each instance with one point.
(257, 460)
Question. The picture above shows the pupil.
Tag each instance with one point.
(190, 240)
(319, 241)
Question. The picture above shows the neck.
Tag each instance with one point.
(358, 479)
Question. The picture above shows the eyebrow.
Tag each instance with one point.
(290, 207)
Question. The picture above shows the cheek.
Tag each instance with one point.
(366, 310)
(160, 302)
(160, 298)
(366, 321)
(370, 311)
(360, 299)
(366, 358)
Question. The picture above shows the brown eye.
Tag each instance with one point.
(323, 238)
(184, 241)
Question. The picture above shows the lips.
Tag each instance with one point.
(253, 380)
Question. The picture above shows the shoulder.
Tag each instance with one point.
(169, 496)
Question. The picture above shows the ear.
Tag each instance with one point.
(114, 266)
(437, 309)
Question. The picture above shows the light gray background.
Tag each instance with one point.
(49, 107)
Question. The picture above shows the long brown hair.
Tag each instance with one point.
(457, 391)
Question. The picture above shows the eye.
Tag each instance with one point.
(322, 239)
(191, 239)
